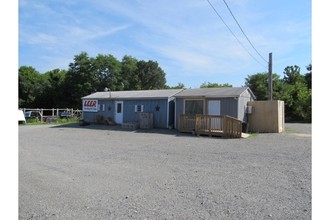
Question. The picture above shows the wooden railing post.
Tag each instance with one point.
(209, 125)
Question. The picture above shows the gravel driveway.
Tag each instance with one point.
(99, 172)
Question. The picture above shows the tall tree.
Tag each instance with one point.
(107, 72)
(296, 95)
(150, 75)
(292, 75)
(129, 75)
(31, 86)
(54, 94)
(80, 80)
(308, 76)
(258, 83)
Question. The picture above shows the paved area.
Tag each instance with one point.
(100, 172)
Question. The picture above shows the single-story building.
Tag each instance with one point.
(125, 106)
(166, 105)
(231, 101)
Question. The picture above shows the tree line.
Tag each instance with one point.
(60, 88)
(295, 89)
(85, 75)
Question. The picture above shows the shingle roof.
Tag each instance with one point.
(134, 94)
(167, 93)
(213, 92)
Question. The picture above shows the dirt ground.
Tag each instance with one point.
(102, 172)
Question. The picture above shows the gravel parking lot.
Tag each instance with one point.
(101, 172)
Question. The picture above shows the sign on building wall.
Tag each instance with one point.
(90, 105)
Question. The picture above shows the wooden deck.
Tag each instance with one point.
(212, 125)
(187, 123)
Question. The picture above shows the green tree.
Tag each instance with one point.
(292, 75)
(296, 95)
(214, 85)
(31, 86)
(178, 86)
(106, 70)
(129, 75)
(150, 75)
(308, 76)
(258, 83)
(54, 96)
(80, 80)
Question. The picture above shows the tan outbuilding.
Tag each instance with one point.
(266, 116)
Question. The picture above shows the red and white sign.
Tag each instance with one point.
(90, 105)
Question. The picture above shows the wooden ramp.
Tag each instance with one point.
(212, 125)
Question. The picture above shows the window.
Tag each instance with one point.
(193, 107)
(119, 107)
(101, 107)
(138, 108)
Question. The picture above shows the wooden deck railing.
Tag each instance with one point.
(232, 127)
(187, 123)
(213, 125)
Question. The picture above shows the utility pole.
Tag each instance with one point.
(270, 77)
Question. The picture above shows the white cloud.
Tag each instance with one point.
(185, 37)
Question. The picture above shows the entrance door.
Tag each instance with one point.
(214, 107)
(119, 112)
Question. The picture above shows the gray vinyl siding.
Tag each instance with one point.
(228, 106)
(242, 105)
(179, 106)
(159, 117)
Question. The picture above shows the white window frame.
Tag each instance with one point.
(101, 107)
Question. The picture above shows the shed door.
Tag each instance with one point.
(119, 112)
(213, 107)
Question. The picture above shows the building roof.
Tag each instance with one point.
(134, 94)
(224, 92)
(214, 92)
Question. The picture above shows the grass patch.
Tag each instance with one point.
(252, 135)
(289, 130)
(36, 121)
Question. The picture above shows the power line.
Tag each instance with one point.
(233, 33)
(243, 32)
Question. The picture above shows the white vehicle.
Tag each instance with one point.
(21, 116)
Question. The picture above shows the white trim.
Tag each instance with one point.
(119, 117)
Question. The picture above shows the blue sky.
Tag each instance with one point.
(187, 38)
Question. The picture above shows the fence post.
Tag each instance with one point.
(41, 115)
